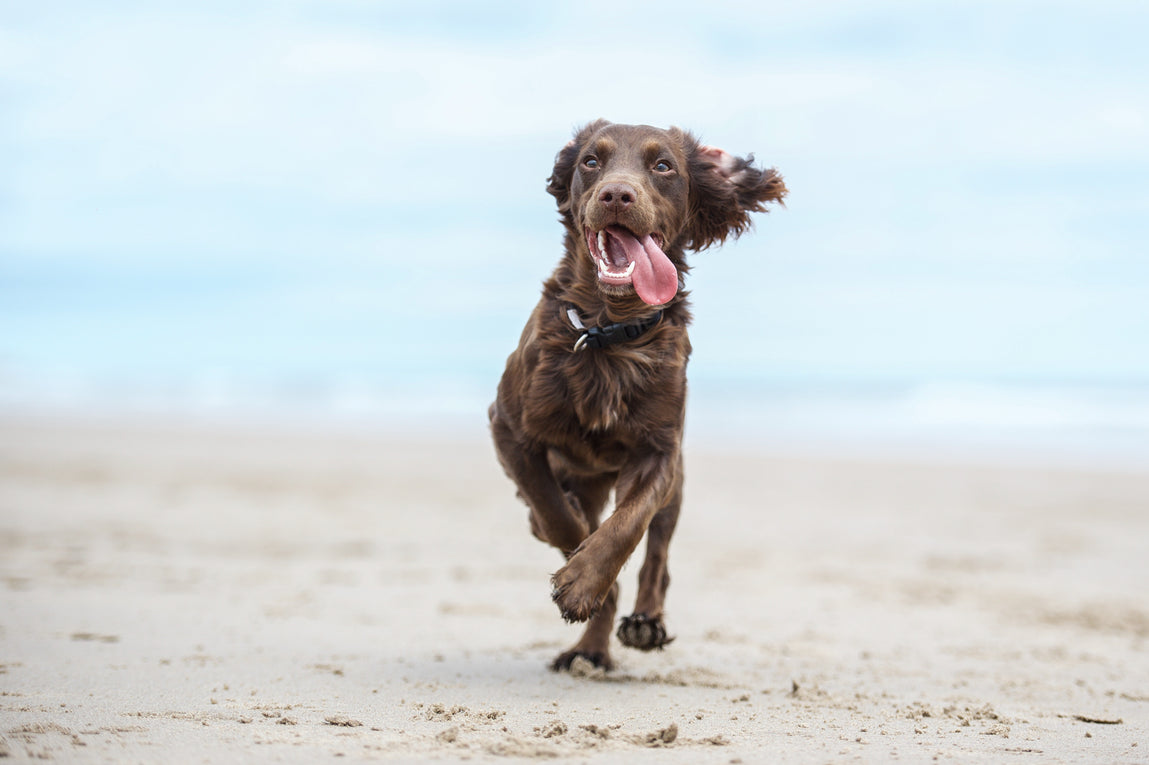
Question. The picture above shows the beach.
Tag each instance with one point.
(191, 592)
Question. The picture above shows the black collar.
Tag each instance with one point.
(610, 334)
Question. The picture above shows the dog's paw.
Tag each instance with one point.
(582, 662)
(574, 608)
(579, 594)
(644, 633)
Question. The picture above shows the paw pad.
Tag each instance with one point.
(642, 632)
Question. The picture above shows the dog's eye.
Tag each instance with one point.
(663, 166)
(590, 162)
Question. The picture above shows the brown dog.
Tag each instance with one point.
(594, 396)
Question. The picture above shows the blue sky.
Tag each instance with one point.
(310, 191)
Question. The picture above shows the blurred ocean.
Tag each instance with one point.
(228, 349)
(334, 212)
(1085, 425)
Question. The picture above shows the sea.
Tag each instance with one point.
(339, 356)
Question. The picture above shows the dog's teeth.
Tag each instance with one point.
(630, 268)
(602, 244)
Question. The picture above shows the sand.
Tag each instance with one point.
(184, 593)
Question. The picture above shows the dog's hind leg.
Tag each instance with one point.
(590, 494)
(644, 628)
(594, 645)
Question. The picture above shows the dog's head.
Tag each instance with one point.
(636, 197)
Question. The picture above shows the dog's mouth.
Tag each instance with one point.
(623, 258)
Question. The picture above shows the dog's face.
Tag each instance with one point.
(635, 197)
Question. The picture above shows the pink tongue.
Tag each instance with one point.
(655, 277)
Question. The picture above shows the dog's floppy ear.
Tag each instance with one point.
(724, 191)
(559, 184)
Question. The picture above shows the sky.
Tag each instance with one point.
(340, 194)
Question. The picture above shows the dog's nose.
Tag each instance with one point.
(616, 197)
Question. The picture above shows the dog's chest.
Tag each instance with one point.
(603, 391)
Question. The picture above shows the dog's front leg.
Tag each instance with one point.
(553, 520)
(581, 586)
(644, 629)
